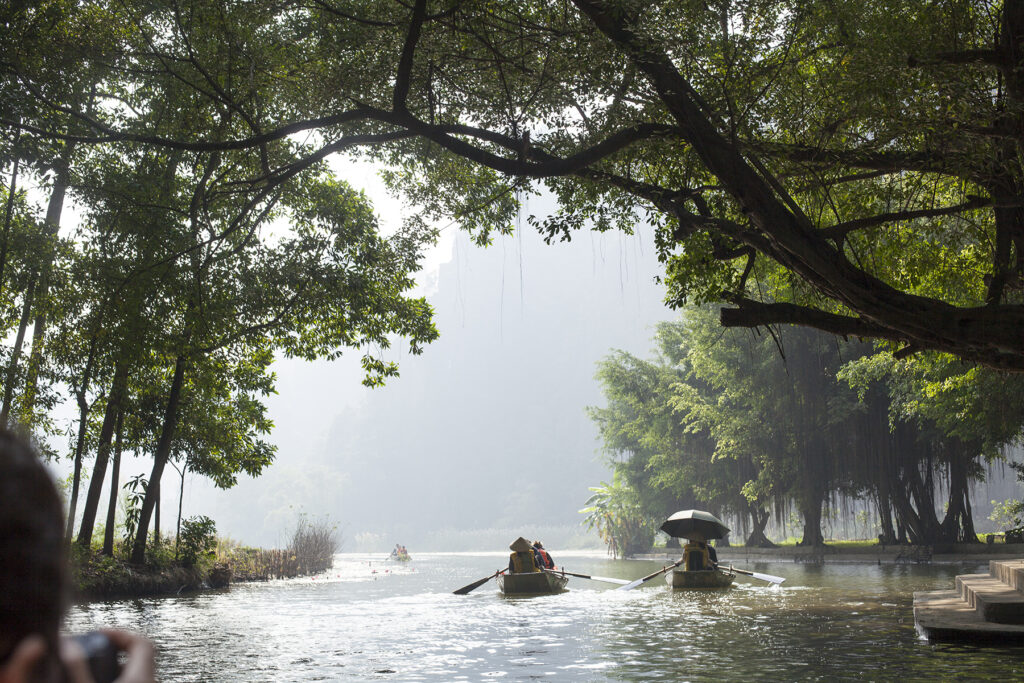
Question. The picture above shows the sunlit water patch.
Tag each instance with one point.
(373, 619)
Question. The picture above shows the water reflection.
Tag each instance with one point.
(368, 620)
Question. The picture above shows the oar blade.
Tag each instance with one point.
(777, 580)
(476, 584)
(633, 584)
(608, 579)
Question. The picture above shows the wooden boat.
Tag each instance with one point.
(705, 578)
(532, 583)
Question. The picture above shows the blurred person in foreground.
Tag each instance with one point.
(33, 582)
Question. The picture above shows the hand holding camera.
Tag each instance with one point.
(90, 658)
(95, 657)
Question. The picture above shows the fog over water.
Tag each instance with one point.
(487, 430)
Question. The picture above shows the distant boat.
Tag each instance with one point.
(399, 557)
(704, 578)
(532, 583)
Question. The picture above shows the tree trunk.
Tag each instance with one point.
(118, 387)
(76, 480)
(181, 496)
(83, 423)
(958, 524)
(888, 535)
(9, 210)
(757, 538)
(156, 514)
(108, 531)
(35, 359)
(12, 366)
(163, 450)
(812, 525)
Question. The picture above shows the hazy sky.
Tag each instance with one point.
(487, 429)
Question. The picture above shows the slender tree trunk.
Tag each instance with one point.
(12, 366)
(83, 423)
(35, 359)
(181, 496)
(115, 471)
(156, 514)
(99, 473)
(9, 212)
(76, 480)
(163, 451)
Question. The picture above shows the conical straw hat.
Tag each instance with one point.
(520, 544)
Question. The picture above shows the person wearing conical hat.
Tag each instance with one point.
(522, 559)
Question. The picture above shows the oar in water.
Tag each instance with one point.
(560, 572)
(757, 575)
(633, 584)
(476, 584)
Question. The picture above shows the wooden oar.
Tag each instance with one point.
(560, 572)
(764, 577)
(477, 584)
(633, 584)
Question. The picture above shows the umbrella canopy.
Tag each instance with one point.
(695, 525)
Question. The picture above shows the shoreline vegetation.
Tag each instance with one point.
(188, 564)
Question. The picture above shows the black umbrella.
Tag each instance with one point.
(695, 525)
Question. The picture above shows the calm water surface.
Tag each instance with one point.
(369, 619)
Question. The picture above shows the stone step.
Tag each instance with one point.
(993, 600)
(943, 615)
(1010, 572)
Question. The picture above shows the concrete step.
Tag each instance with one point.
(1010, 572)
(943, 615)
(993, 600)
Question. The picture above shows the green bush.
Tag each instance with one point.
(198, 537)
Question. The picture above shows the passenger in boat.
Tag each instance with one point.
(543, 557)
(696, 556)
(712, 555)
(522, 559)
(33, 581)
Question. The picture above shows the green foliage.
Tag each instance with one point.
(198, 537)
(1007, 514)
(135, 490)
(616, 515)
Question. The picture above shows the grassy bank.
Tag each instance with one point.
(216, 564)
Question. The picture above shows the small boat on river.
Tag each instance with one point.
(700, 579)
(532, 583)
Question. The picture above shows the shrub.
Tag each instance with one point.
(313, 545)
(198, 537)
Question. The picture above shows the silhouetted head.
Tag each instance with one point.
(32, 573)
(538, 544)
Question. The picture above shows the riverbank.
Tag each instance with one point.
(99, 577)
(872, 554)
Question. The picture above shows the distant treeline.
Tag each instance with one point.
(757, 426)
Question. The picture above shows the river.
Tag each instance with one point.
(370, 619)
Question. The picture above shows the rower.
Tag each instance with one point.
(696, 556)
(543, 557)
(522, 559)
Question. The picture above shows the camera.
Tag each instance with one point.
(100, 656)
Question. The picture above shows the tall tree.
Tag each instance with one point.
(862, 163)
